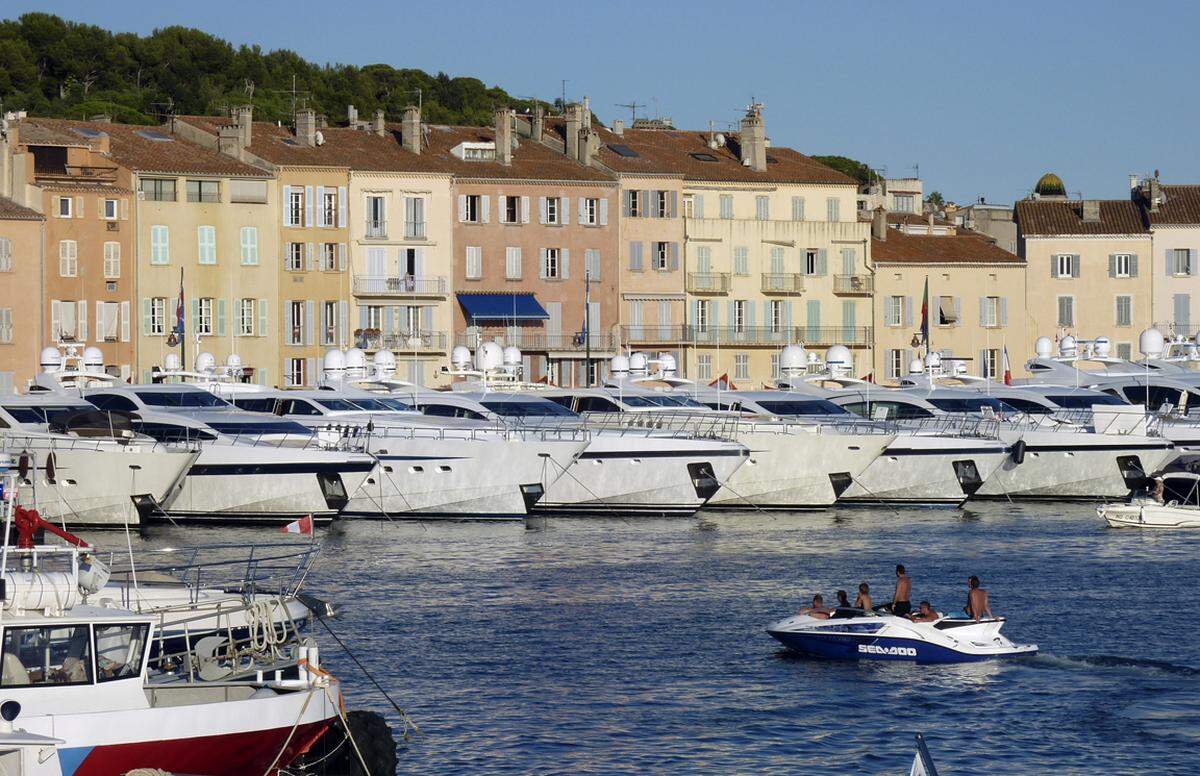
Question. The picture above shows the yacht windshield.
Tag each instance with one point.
(169, 432)
(43, 413)
(383, 405)
(255, 405)
(668, 402)
(191, 399)
(528, 409)
(259, 428)
(1085, 402)
(803, 407)
(339, 405)
(972, 404)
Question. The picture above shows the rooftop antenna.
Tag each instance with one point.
(563, 104)
(657, 115)
(633, 105)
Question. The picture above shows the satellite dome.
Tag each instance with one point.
(1151, 343)
(460, 357)
(488, 357)
(171, 362)
(1050, 185)
(512, 355)
(234, 361)
(667, 361)
(205, 361)
(93, 356)
(1103, 346)
(51, 360)
(933, 360)
(619, 364)
(916, 367)
(1068, 347)
(335, 360)
(356, 359)
(637, 362)
(793, 357)
(1043, 346)
(839, 355)
(384, 359)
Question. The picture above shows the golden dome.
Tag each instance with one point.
(1050, 185)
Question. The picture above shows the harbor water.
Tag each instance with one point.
(609, 646)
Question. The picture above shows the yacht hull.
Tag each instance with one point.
(1090, 468)
(926, 470)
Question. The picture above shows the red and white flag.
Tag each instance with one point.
(1007, 368)
(302, 526)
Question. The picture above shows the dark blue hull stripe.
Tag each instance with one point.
(224, 469)
(692, 454)
(871, 647)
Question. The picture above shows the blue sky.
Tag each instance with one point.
(983, 99)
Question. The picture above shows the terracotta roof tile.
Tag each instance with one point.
(32, 132)
(530, 160)
(11, 211)
(1047, 218)
(1181, 205)
(901, 248)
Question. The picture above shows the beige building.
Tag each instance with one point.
(976, 301)
(1173, 217)
(22, 231)
(1090, 268)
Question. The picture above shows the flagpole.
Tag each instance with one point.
(183, 362)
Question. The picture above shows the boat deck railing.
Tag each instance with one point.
(953, 424)
(19, 441)
(357, 435)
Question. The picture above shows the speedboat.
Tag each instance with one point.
(1179, 507)
(856, 634)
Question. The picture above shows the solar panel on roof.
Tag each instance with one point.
(87, 132)
(703, 157)
(155, 135)
(623, 150)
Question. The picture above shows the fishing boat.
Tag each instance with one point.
(1179, 506)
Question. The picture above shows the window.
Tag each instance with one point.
(120, 650)
(797, 208)
(6, 325)
(1123, 265)
(204, 315)
(111, 209)
(991, 362)
(377, 217)
(661, 258)
(741, 366)
(633, 203)
(1125, 350)
(5, 255)
(160, 245)
(329, 208)
(741, 260)
(293, 261)
(589, 214)
(904, 203)
(762, 208)
(108, 321)
(702, 316)
(512, 263)
(662, 204)
(812, 262)
(68, 258)
(552, 210)
(250, 245)
(414, 218)
(894, 363)
(1066, 311)
(990, 315)
(473, 208)
(158, 189)
(112, 260)
(157, 323)
(41, 656)
(947, 311)
(329, 257)
(246, 318)
(297, 317)
(739, 315)
(704, 367)
(329, 316)
(1064, 265)
(474, 262)
(894, 311)
(1124, 310)
(726, 204)
(551, 263)
(1183, 262)
(689, 206)
(777, 321)
(832, 209)
(65, 320)
(296, 373)
(64, 207)
(374, 316)
(511, 210)
(203, 191)
(207, 239)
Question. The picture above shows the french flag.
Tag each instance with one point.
(302, 526)
(1007, 368)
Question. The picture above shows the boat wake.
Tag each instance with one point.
(1082, 662)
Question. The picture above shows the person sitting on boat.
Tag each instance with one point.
(843, 600)
(924, 613)
(901, 605)
(863, 601)
(817, 609)
(1157, 490)
(977, 600)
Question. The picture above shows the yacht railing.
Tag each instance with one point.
(358, 433)
(953, 424)
(17, 441)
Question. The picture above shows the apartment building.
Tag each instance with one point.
(976, 300)
(22, 231)
(87, 277)
(895, 195)
(1172, 214)
(1090, 268)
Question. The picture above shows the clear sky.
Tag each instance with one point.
(985, 98)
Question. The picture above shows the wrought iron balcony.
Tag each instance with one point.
(854, 285)
(708, 282)
(535, 341)
(401, 342)
(377, 229)
(823, 336)
(400, 285)
(783, 284)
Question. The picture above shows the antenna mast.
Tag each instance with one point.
(633, 105)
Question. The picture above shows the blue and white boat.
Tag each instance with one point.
(855, 634)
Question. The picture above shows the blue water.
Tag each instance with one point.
(605, 646)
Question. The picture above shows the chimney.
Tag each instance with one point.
(322, 121)
(306, 127)
(589, 146)
(351, 116)
(879, 226)
(410, 129)
(243, 116)
(586, 117)
(1091, 211)
(379, 125)
(574, 124)
(753, 139)
(618, 127)
(1133, 182)
(1156, 193)
(504, 135)
(229, 140)
(539, 121)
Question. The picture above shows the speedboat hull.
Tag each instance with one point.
(885, 637)
(1152, 515)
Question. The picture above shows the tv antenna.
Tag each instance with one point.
(633, 105)
(298, 97)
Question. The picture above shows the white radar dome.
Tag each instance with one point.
(512, 355)
(488, 357)
(1043, 347)
(618, 364)
(667, 361)
(916, 366)
(637, 362)
(93, 356)
(384, 359)
(793, 357)
(205, 361)
(51, 360)
(234, 361)
(839, 355)
(1068, 347)
(460, 357)
(1151, 343)
(1103, 346)
(933, 360)
(334, 361)
(171, 362)
(356, 359)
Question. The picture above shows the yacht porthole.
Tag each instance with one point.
(443, 468)
(636, 460)
(371, 480)
(416, 469)
(596, 462)
(387, 469)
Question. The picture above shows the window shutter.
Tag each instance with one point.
(341, 257)
(582, 209)
(565, 255)
(124, 210)
(484, 208)
(1183, 310)
(287, 199)
(627, 203)
(310, 365)
(125, 321)
(635, 255)
(674, 256)
(1133, 267)
(342, 204)
(1004, 311)
(364, 317)
(427, 318)
(524, 210)
(564, 210)
(310, 258)
(343, 323)
(78, 207)
(147, 315)
(543, 215)
(1112, 265)
(787, 316)
(604, 211)
(308, 205)
(502, 209)
(389, 320)
(289, 322)
(55, 318)
(221, 311)
(889, 310)
(983, 364)
(698, 205)
(1075, 265)
(983, 317)
(847, 261)
(81, 320)
(100, 321)
(673, 205)
(958, 311)
(462, 207)
(542, 265)
(644, 203)
(822, 262)
(908, 311)
(308, 322)
(1191, 261)
(320, 205)
(325, 322)
(1053, 266)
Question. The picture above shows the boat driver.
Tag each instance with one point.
(924, 613)
(977, 600)
(817, 609)
(901, 605)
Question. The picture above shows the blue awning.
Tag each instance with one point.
(502, 307)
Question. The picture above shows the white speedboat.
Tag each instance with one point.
(1179, 507)
(854, 634)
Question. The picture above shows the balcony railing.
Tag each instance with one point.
(377, 230)
(91, 173)
(404, 341)
(851, 285)
(402, 285)
(851, 336)
(708, 282)
(540, 341)
(785, 284)
(414, 230)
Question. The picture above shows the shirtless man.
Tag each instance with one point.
(863, 601)
(977, 600)
(901, 605)
(817, 609)
(924, 614)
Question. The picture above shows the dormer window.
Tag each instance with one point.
(475, 152)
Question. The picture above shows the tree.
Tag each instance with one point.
(936, 199)
(852, 167)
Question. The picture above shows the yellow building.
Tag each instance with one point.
(22, 233)
(976, 301)
(1089, 268)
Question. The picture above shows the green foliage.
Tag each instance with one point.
(936, 199)
(852, 167)
(53, 67)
